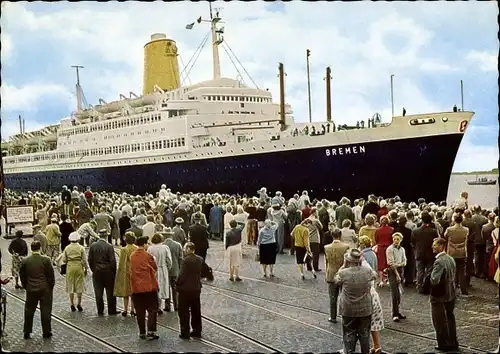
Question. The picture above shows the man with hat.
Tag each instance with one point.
(102, 263)
(355, 304)
(39, 236)
(179, 234)
(177, 256)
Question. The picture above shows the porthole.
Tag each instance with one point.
(444, 119)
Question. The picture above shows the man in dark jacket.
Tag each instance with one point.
(422, 239)
(198, 234)
(37, 277)
(469, 266)
(371, 207)
(189, 290)
(343, 212)
(102, 263)
(123, 225)
(479, 243)
(486, 231)
(66, 199)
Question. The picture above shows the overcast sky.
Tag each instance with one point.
(428, 46)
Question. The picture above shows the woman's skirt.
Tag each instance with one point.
(267, 253)
(492, 264)
(234, 254)
(377, 323)
(300, 254)
(16, 264)
(381, 258)
(75, 278)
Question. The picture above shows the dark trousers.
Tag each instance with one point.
(315, 255)
(469, 264)
(146, 302)
(460, 275)
(333, 292)
(394, 287)
(354, 329)
(201, 253)
(104, 281)
(173, 294)
(190, 309)
(424, 266)
(479, 259)
(43, 297)
(409, 269)
(443, 320)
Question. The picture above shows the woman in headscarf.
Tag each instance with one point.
(266, 242)
(383, 239)
(123, 286)
(228, 216)
(278, 215)
(241, 218)
(18, 249)
(76, 270)
(233, 249)
(377, 321)
(163, 259)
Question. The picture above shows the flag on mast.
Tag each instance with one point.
(190, 26)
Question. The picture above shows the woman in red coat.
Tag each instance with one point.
(383, 239)
(492, 265)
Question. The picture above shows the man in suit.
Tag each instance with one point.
(176, 252)
(102, 263)
(421, 239)
(457, 236)
(479, 243)
(344, 212)
(442, 298)
(37, 277)
(198, 234)
(334, 259)
(189, 291)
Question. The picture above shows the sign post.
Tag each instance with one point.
(20, 217)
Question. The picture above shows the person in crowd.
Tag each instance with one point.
(198, 235)
(348, 234)
(177, 255)
(102, 263)
(179, 234)
(343, 212)
(305, 211)
(137, 230)
(261, 214)
(53, 240)
(371, 207)
(315, 236)
(228, 216)
(163, 259)
(369, 259)
(334, 259)
(233, 250)
(148, 229)
(144, 289)
(421, 239)
(116, 214)
(456, 236)
(302, 247)
(487, 236)
(383, 209)
(124, 224)
(276, 214)
(39, 236)
(216, 221)
(383, 239)
(355, 305)
(409, 268)
(73, 256)
(37, 278)
(18, 249)
(66, 228)
(251, 226)
(266, 242)
(479, 243)
(470, 225)
(492, 266)
(357, 210)
(104, 221)
(87, 233)
(123, 287)
(443, 297)
(369, 228)
(189, 291)
(396, 261)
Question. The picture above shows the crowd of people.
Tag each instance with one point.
(164, 240)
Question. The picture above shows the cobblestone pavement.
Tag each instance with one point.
(284, 314)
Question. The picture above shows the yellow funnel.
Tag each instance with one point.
(160, 64)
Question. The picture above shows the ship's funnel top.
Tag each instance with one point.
(160, 64)
(156, 36)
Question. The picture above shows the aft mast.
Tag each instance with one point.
(79, 98)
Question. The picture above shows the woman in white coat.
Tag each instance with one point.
(163, 259)
(241, 218)
(228, 216)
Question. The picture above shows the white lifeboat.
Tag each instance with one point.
(5, 145)
(17, 144)
(52, 138)
(33, 141)
(109, 107)
(142, 101)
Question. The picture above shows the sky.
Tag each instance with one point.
(428, 46)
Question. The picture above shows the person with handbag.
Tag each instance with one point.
(396, 261)
(300, 237)
(443, 297)
(76, 268)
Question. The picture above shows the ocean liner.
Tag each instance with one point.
(224, 136)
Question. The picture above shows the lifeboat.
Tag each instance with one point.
(5, 145)
(17, 144)
(109, 107)
(32, 141)
(83, 114)
(142, 101)
(52, 138)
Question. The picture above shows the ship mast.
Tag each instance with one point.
(79, 106)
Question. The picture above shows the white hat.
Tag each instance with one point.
(74, 237)
(179, 220)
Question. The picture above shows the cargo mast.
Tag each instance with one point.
(79, 105)
(217, 40)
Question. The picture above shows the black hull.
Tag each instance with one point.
(411, 168)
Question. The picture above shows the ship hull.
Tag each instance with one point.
(411, 168)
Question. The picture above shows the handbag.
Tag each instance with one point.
(307, 261)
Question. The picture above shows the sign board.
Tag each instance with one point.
(22, 214)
